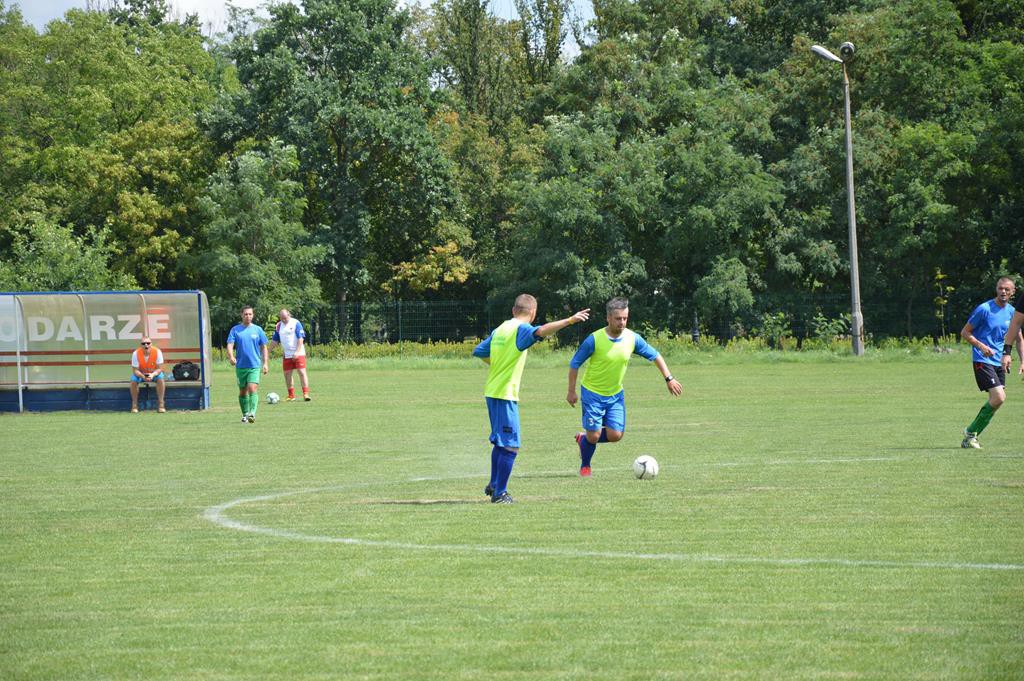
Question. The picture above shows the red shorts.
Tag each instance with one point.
(294, 363)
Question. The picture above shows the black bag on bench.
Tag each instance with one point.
(186, 371)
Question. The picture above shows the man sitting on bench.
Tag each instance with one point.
(147, 366)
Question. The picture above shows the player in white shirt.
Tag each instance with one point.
(290, 335)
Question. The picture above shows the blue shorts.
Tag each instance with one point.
(504, 415)
(142, 380)
(603, 412)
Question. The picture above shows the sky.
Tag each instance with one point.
(212, 13)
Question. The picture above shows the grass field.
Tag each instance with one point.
(813, 519)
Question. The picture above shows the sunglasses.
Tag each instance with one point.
(147, 343)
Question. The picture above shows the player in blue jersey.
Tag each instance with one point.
(986, 330)
(253, 356)
(607, 352)
(504, 350)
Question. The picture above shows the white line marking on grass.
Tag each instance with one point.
(218, 515)
(797, 462)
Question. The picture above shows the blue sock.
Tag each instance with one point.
(494, 465)
(506, 460)
(586, 451)
(604, 435)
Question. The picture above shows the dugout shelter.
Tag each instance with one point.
(61, 351)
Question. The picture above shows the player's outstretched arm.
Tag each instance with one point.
(551, 328)
(673, 385)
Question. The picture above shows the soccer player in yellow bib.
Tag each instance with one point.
(1012, 334)
(505, 353)
(604, 401)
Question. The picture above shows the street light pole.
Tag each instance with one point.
(856, 317)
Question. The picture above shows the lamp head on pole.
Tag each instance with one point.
(846, 50)
(825, 54)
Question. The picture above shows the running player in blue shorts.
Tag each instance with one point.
(604, 400)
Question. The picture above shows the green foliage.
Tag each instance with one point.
(826, 330)
(341, 82)
(48, 257)
(690, 156)
(436, 350)
(775, 328)
(724, 294)
(152, 13)
(254, 249)
(927, 107)
(582, 204)
(941, 300)
(480, 60)
(485, 195)
(542, 34)
(97, 131)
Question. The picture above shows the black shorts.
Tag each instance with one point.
(989, 376)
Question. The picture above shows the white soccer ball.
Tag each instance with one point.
(273, 398)
(645, 467)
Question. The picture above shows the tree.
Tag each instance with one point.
(340, 81)
(652, 173)
(929, 107)
(723, 295)
(486, 193)
(151, 13)
(583, 206)
(45, 256)
(479, 57)
(97, 129)
(254, 249)
(758, 35)
(542, 34)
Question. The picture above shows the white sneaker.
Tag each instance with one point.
(245, 419)
(970, 440)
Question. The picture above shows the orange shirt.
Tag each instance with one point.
(150, 364)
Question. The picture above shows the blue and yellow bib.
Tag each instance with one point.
(606, 368)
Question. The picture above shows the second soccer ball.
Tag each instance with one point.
(645, 467)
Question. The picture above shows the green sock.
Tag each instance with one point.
(981, 420)
(254, 401)
(243, 402)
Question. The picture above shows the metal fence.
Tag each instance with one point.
(802, 316)
(394, 321)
